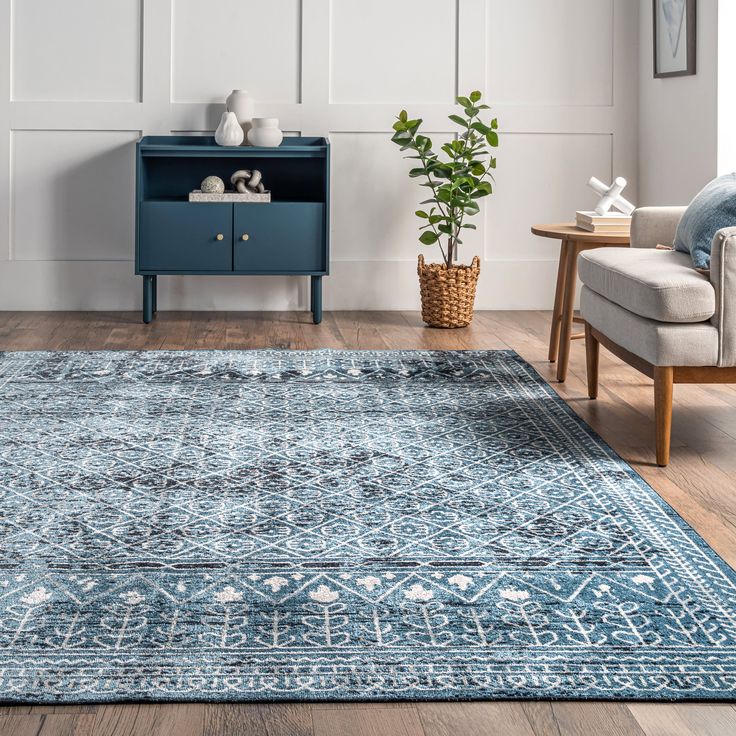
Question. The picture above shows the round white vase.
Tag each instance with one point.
(243, 105)
(229, 132)
(265, 133)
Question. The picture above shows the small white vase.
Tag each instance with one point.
(265, 133)
(229, 132)
(243, 105)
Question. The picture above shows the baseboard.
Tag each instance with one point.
(370, 285)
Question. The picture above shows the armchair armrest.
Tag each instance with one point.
(651, 226)
(723, 278)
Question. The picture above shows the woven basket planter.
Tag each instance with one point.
(448, 294)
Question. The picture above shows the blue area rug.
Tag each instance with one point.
(335, 525)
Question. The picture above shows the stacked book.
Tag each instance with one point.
(611, 222)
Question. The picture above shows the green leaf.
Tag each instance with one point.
(457, 119)
(471, 111)
(478, 170)
(428, 238)
(424, 144)
(399, 126)
(413, 173)
(483, 190)
(422, 214)
(464, 101)
(470, 227)
(492, 138)
(403, 116)
(434, 219)
(494, 123)
(475, 96)
(480, 127)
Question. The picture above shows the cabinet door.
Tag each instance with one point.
(185, 236)
(279, 237)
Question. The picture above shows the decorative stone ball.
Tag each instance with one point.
(212, 185)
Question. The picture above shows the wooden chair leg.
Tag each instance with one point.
(663, 379)
(592, 352)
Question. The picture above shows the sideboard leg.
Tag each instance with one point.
(148, 298)
(155, 294)
(316, 292)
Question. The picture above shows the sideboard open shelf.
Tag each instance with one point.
(287, 236)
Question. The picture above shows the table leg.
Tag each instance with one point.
(316, 299)
(554, 335)
(571, 277)
(147, 298)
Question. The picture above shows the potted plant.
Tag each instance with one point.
(456, 185)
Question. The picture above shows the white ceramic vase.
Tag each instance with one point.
(229, 132)
(265, 133)
(243, 105)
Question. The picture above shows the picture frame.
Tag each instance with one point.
(674, 30)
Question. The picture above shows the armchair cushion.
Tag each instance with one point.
(658, 343)
(712, 209)
(657, 284)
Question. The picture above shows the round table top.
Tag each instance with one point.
(568, 231)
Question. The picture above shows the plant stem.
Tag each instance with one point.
(439, 204)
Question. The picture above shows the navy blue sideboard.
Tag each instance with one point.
(289, 235)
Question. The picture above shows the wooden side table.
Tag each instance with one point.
(573, 241)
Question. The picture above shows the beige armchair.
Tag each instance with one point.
(652, 309)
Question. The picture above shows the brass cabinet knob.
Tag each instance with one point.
(245, 236)
(220, 236)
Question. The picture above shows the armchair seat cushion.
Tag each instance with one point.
(661, 285)
(655, 342)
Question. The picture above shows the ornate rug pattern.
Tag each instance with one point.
(335, 525)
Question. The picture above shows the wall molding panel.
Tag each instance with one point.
(341, 68)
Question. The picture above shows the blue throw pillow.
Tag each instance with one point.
(713, 208)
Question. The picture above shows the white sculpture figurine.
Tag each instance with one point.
(611, 196)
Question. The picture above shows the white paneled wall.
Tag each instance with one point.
(85, 78)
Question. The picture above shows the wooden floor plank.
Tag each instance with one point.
(48, 724)
(541, 715)
(698, 483)
(595, 719)
(474, 719)
(694, 719)
(243, 719)
(153, 719)
(359, 721)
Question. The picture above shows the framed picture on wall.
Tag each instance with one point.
(674, 38)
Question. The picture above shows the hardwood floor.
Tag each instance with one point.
(699, 483)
